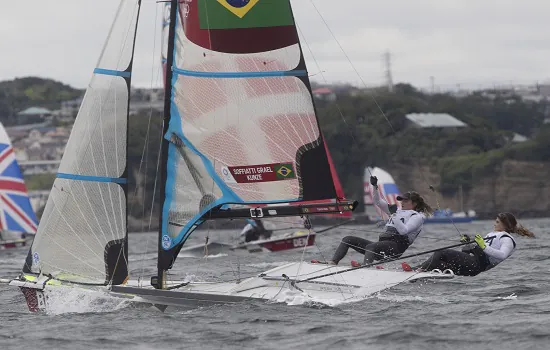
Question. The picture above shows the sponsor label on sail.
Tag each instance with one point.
(259, 173)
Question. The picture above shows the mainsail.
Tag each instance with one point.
(242, 127)
(82, 236)
(16, 213)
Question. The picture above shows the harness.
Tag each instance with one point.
(392, 234)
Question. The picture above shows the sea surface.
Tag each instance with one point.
(505, 308)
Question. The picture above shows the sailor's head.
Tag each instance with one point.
(410, 200)
(505, 222)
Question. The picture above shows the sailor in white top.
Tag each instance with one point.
(402, 228)
(497, 246)
(488, 252)
(405, 222)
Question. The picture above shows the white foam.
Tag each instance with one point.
(213, 256)
(294, 297)
(408, 298)
(80, 300)
(509, 297)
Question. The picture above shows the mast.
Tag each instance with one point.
(160, 282)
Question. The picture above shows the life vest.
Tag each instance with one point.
(404, 216)
(493, 240)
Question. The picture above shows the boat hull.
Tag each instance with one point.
(289, 284)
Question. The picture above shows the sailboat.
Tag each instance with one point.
(17, 218)
(240, 129)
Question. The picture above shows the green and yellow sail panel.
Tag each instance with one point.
(237, 26)
(243, 127)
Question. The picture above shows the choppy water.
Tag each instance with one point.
(506, 308)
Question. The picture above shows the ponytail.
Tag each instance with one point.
(512, 226)
(419, 204)
(424, 208)
(522, 231)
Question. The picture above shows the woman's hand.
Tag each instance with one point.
(374, 181)
(480, 241)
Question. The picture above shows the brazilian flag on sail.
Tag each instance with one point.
(233, 14)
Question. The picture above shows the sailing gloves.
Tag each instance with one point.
(480, 242)
(374, 181)
(464, 238)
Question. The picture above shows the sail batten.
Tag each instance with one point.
(119, 180)
(118, 73)
(258, 74)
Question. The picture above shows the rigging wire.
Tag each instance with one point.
(371, 96)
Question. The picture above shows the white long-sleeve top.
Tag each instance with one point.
(499, 246)
(406, 222)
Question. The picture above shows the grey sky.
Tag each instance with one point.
(465, 42)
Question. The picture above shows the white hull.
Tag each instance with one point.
(276, 243)
(276, 285)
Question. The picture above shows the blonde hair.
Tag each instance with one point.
(511, 224)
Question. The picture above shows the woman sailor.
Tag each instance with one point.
(402, 228)
(487, 253)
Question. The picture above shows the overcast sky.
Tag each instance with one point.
(467, 42)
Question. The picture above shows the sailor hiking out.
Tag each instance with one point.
(402, 228)
(486, 253)
(254, 230)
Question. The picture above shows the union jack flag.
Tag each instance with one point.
(16, 213)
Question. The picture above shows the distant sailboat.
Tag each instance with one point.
(446, 216)
(241, 140)
(17, 218)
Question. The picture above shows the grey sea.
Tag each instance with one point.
(505, 308)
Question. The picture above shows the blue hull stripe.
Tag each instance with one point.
(112, 72)
(286, 73)
(91, 178)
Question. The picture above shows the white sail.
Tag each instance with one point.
(82, 235)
